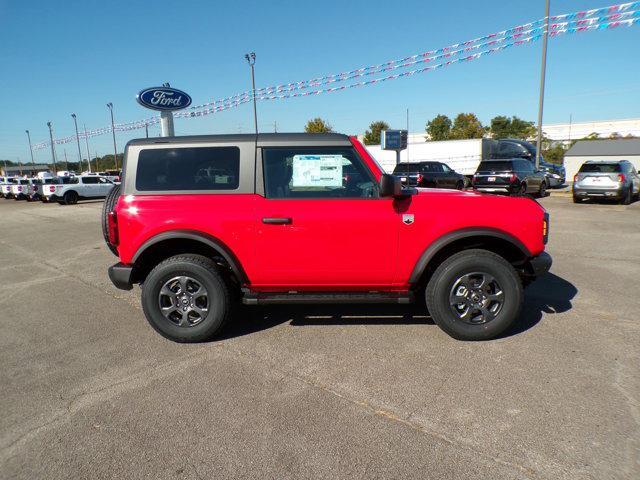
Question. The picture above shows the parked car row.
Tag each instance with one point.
(617, 180)
(66, 190)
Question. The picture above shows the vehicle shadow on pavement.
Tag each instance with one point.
(549, 294)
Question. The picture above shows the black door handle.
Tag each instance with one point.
(277, 221)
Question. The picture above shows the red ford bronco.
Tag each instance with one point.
(203, 222)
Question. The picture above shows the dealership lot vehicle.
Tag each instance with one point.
(511, 148)
(5, 186)
(607, 180)
(381, 385)
(426, 243)
(68, 190)
(515, 176)
(41, 185)
(429, 175)
(21, 189)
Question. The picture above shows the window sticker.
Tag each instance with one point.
(317, 170)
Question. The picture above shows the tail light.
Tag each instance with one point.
(114, 236)
(513, 178)
(420, 178)
(621, 178)
(575, 178)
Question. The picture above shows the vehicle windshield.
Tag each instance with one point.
(495, 166)
(600, 168)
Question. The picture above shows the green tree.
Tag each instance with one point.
(318, 125)
(372, 136)
(554, 153)
(514, 127)
(439, 128)
(466, 125)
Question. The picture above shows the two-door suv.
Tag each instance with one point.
(205, 222)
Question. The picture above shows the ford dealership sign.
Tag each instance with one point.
(163, 98)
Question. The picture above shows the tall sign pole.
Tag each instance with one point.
(53, 149)
(543, 70)
(75, 123)
(30, 148)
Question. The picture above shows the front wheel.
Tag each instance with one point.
(185, 299)
(474, 295)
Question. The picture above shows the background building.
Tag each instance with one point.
(29, 169)
(584, 150)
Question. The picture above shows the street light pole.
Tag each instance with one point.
(543, 70)
(75, 123)
(86, 141)
(113, 131)
(30, 148)
(53, 149)
(251, 59)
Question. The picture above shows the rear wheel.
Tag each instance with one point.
(460, 185)
(576, 199)
(543, 190)
(186, 299)
(70, 198)
(107, 207)
(626, 200)
(474, 295)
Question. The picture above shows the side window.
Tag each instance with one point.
(445, 168)
(197, 168)
(322, 172)
(90, 180)
(104, 180)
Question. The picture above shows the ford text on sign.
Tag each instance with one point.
(163, 98)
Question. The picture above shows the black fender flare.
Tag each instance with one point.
(206, 239)
(456, 235)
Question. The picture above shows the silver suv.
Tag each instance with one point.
(616, 180)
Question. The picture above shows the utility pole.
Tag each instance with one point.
(251, 59)
(113, 131)
(30, 148)
(53, 149)
(86, 140)
(275, 127)
(66, 163)
(543, 71)
(146, 129)
(75, 123)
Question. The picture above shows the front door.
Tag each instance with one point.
(321, 222)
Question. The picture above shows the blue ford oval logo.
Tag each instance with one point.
(163, 98)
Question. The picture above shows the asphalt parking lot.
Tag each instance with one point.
(89, 390)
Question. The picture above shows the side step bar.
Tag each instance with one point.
(254, 298)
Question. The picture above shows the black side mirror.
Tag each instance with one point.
(391, 186)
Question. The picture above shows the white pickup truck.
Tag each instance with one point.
(5, 186)
(68, 190)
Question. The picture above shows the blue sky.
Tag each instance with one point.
(75, 56)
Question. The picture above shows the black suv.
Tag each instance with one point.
(513, 148)
(513, 176)
(429, 174)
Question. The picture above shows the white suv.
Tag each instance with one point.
(21, 189)
(69, 190)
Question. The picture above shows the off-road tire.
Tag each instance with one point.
(468, 261)
(107, 207)
(205, 271)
